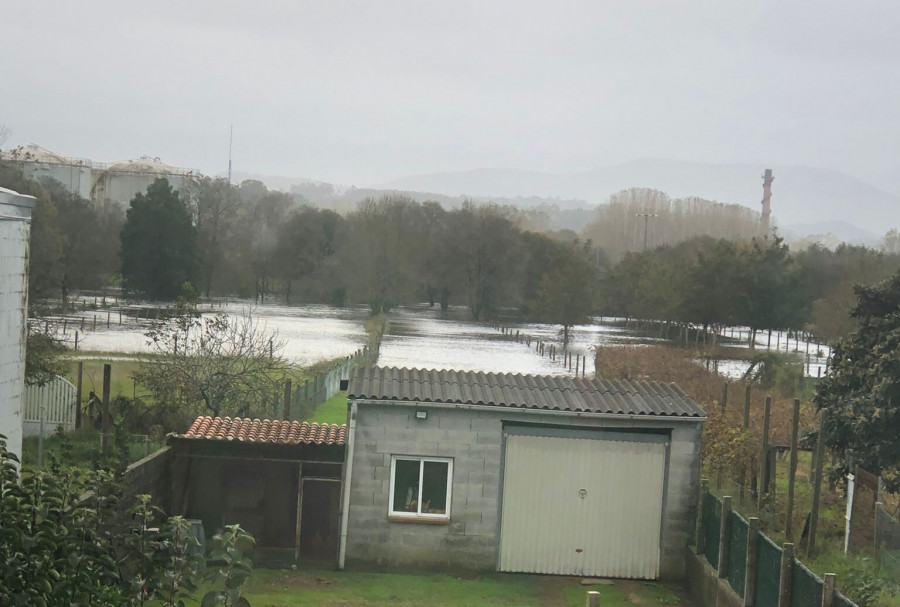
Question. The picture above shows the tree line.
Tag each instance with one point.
(758, 283)
(705, 263)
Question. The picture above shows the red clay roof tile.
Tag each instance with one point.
(271, 431)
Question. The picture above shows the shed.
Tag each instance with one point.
(280, 480)
(519, 473)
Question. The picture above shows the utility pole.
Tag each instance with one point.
(646, 217)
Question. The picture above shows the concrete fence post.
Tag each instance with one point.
(723, 536)
(593, 599)
(828, 587)
(753, 526)
(700, 541)
(785, 580)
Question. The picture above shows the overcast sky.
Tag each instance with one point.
(364, 92)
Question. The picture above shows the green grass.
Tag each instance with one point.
(332, 411)
(281, 588)
(121, 382)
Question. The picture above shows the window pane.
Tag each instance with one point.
(406, 485)
(434, 488)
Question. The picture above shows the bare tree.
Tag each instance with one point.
(215, 364)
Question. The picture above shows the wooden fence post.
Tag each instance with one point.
(753, 526)
(742, 479)
(723, 536)
(792, 473)
(764, 457)
(828, 586)
(722, 404)
(78, 388)
(286, 411)
(700, 536)
(104, 413)
(784, 579)
(817, 488)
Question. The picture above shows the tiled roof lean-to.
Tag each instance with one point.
(271, 431)
(552, 393)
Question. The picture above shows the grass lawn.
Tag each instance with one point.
(278, 588)
(332, 411)
(121, 382)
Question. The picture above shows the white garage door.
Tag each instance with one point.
(588, 507)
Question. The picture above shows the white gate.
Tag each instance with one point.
(589, 507)
(55, 401)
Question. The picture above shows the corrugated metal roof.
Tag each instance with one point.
(553, 393)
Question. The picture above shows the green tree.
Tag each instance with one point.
(215, 365)
(565, 294)
(89, 236)
(775, 296)
(862, 390)
(305, 241)
(159, 243)
(489, 253)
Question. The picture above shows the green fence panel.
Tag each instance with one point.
(736, 569)
(841, 601)
(806, 588)
(712, 515)
(768, 572)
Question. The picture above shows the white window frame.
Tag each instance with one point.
(419, 514)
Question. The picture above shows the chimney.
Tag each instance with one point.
(767, 200)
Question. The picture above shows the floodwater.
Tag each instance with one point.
(427, 338)
(420, 337)
(310, 333)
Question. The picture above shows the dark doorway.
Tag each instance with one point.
(319, 522)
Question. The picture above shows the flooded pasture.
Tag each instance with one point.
(424, 338)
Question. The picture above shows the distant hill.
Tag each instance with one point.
(801, 194)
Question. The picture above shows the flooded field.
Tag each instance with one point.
(425, 338)
(310, 333)
(422, 337)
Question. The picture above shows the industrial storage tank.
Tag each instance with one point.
(120, 181)
(36, 162)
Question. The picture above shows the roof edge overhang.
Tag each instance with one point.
(253, 450)
(528, 410)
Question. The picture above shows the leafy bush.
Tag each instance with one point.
(65, 540)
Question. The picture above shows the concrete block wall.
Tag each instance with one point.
(470, 539)
(474, 439)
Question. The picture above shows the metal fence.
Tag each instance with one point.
(749, 557)
(49, 406)
(841, 601)
(806, 586)
(736, 567)
(313, 392)
(887, 542)
(768, 571)
(712, 517)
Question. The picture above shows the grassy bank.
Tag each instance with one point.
(278, 588)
